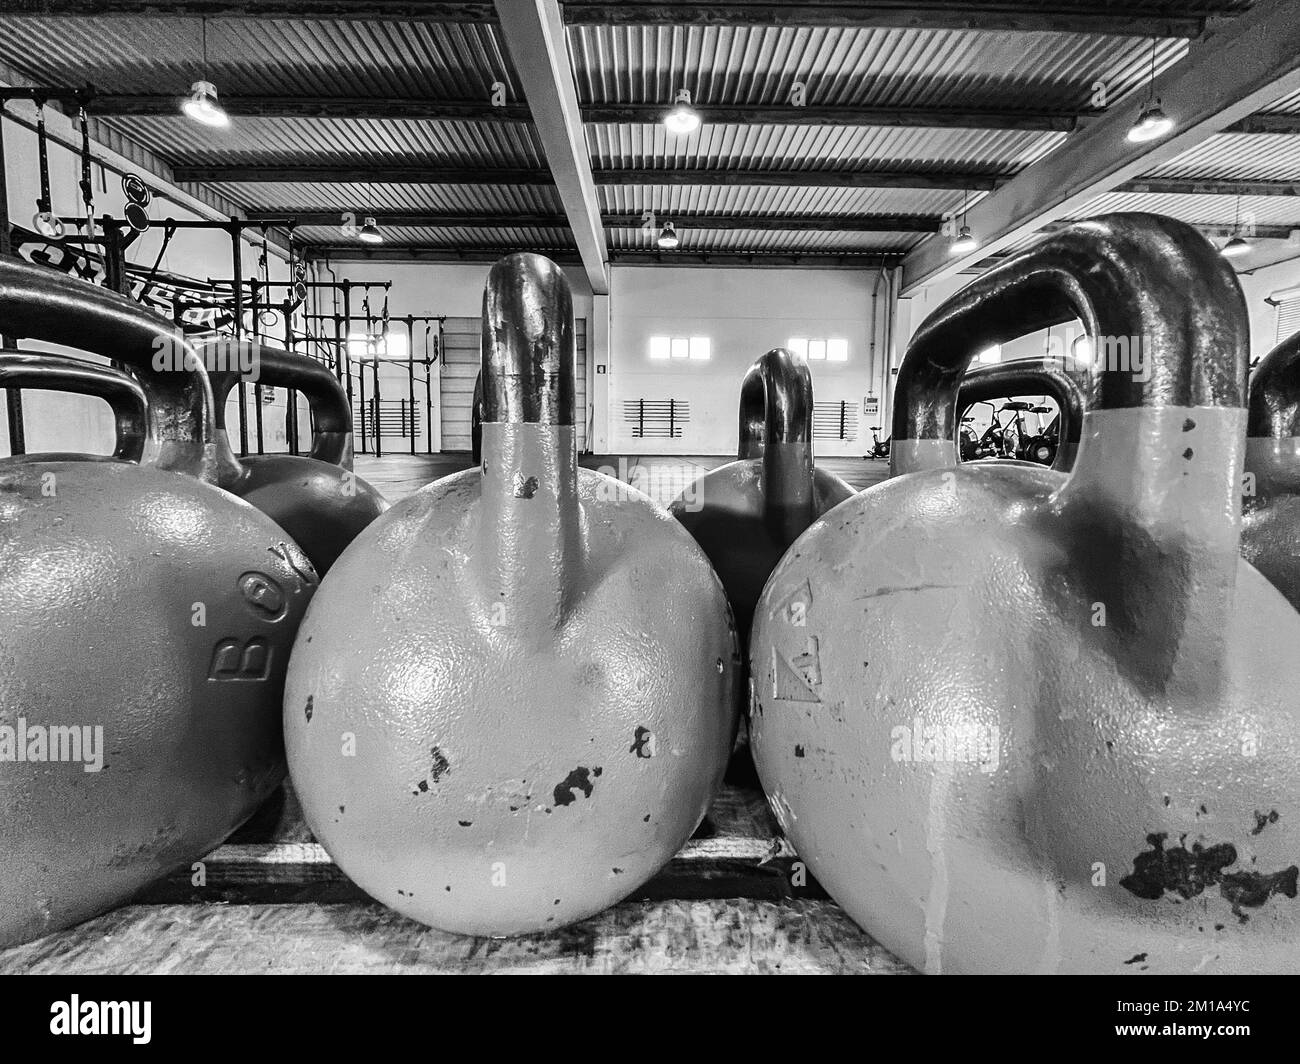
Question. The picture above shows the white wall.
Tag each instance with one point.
(1258, 286)
(450, 290)
(744, 312)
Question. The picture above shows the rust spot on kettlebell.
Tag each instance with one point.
(1189, 873)
(1188, 425)
(643, 743)
(525, 487)
(307, 709)
(263, 595)
(577, 780)
(1262, 820)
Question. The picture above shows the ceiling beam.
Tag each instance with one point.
(535, 37)
(971, 182)
(1221, 229)
(297, 10)
(353, 173)
(421, 253)
(1199, 186)
(1242, 69)
(1133, 20)
(813, 223)
(1266, 123)
(1130, 20)
(374, 107)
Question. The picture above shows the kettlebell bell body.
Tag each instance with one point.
(317, 499)
(1270, 534)
(145, 621)
(536, 663)
(1050, 723)
(746, 513)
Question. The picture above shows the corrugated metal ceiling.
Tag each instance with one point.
(880, 67)
(837, 66)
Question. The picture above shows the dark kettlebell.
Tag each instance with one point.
(747, 512)
(317, 499)
(146, 618)
(125, 397)
(1270, 535)
(1031, 376)
(533, 664)
(1050, 722)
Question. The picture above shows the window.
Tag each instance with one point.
(362, 346)
(698, 348)
(835, 349)
(991, 354)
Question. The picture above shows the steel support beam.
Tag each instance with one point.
(816, 223)
(1244, 68)
(535, 37)
(351, 173)
(1128, 20)
(376, 107)
(1199, 186)
(865, 260)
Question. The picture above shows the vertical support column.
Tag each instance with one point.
(237, 299)
(13, 396)
(600, 369)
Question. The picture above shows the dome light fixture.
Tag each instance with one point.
(683, 118)
(202, 104)
(1238, 245)
(1152, 122)
(370, 233)
(964, 242)
(668, 238)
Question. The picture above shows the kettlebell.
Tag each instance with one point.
(513, 699)
(125, 397)
(1030, 376)
(1043, 723)
(317, 499)
(746, 513)
(145, 622)
(1270, 534)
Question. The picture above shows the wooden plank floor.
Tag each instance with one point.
(274, 902)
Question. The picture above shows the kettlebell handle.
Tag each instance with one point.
(41, 304)
(1275, 393)
(125, 397)
(531, 537)
(775, 402)
(1029, 376)
(331, 419)
(1138, 282)
(528, 343)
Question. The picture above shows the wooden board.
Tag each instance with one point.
(698, 937)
